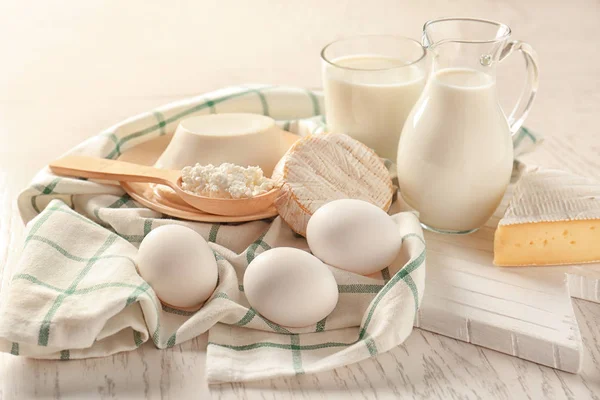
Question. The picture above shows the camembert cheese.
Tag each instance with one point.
(553, 218)
(321, 168)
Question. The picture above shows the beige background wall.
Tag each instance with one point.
(71, 68)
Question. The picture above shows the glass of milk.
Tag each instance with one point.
(371, 84)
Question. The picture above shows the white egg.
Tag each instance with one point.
(178, 264)
(353, 235)
(290, 287)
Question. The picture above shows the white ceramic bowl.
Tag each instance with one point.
(242, 139)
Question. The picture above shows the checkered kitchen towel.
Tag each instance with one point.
(76, 294)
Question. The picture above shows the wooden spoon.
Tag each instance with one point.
(101, 168)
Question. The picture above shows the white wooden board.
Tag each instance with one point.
(522, 311)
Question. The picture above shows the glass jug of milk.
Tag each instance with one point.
(455, 153)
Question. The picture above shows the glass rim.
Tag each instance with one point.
(350, 38)
(506, 28)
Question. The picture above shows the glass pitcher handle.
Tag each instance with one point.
(519, 113)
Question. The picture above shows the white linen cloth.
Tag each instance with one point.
(76, 292)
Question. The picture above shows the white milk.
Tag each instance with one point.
(370, 99)
(455, 154)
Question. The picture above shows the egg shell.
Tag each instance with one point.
(290, 287)
(179, 265)
(353, 235)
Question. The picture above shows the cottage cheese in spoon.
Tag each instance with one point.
(226, 181)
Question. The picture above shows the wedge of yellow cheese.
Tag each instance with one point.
(553, 218)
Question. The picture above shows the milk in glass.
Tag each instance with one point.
(455, 154)
(369, 98)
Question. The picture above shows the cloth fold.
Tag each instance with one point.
(75, 292)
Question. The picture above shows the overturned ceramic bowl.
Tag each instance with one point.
(242, 139)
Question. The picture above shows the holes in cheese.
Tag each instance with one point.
(321, 168)
(552, 219)
(580, 245)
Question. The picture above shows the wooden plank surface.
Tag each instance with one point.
(73, 68)
(522, 311)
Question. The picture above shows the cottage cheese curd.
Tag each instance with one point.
(227, 181)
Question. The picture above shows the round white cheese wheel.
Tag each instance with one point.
(290, 287)
(354, 235)
(237, 138)
(321, 168)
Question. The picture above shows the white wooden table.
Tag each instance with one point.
(70, 69)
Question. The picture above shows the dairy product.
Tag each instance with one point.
(322, 168)
(238, 138)
(455, 154)
(227, 181)
(553, 218)
(369, 98)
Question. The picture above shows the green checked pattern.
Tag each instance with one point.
(76, 292)
(385, 323)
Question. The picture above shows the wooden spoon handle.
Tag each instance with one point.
(101, 168)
